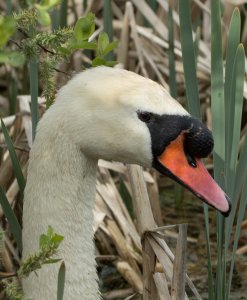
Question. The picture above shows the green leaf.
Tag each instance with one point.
(13, 58)
(237, 84)
(110, 47)
(87, 45)
(192, 96)
(98, 62)
(189, 64)
(54, 2)
(43, 16)
(218, 124)
(241, 169)
(103, 42)
(44, 2)
(217, 91)
(61, 281)
(75, 44)
(240, 217)
(14, 159)
(110, 63)
(233, 42)
(48, 4)
(57, 239)
(236, 109)
(30, 2)
(11, 217)
(43, 240)
(7, 29)
(84, 27)
(50, 238)
(209, 260)
(64, 51)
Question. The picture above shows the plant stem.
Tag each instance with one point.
(108, 24)
(33, 65)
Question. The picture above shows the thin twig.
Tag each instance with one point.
(60, 71)
(15, 43)
(41, 46)
(4, 146)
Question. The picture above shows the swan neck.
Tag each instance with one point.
(60, 192)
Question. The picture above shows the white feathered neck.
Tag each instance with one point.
(94, 117)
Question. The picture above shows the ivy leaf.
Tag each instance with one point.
(7, 28)
(13, 58)
(84, 27)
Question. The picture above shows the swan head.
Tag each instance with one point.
(119, 115)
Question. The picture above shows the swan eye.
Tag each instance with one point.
(145, 116)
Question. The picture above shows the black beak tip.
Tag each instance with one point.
(227, 213)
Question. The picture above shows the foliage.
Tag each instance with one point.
(61, 281)
(48, 247)
(12, 291)
(226, 103)
(7, 29)
(12, 219)
(83, 29)
(49, 47)
(26, 19)
(43, 8)
(14, 159)
(104, 47)
(12, 58)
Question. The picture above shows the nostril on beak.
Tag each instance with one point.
(191, 160)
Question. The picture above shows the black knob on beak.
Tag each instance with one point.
(199, 140)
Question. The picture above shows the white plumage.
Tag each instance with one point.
(94, 116)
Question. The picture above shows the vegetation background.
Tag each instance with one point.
(193, 48)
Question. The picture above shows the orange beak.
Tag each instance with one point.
(193, 175)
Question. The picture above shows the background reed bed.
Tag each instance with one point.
(204, 69)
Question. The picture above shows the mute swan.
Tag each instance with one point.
(115, 115)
